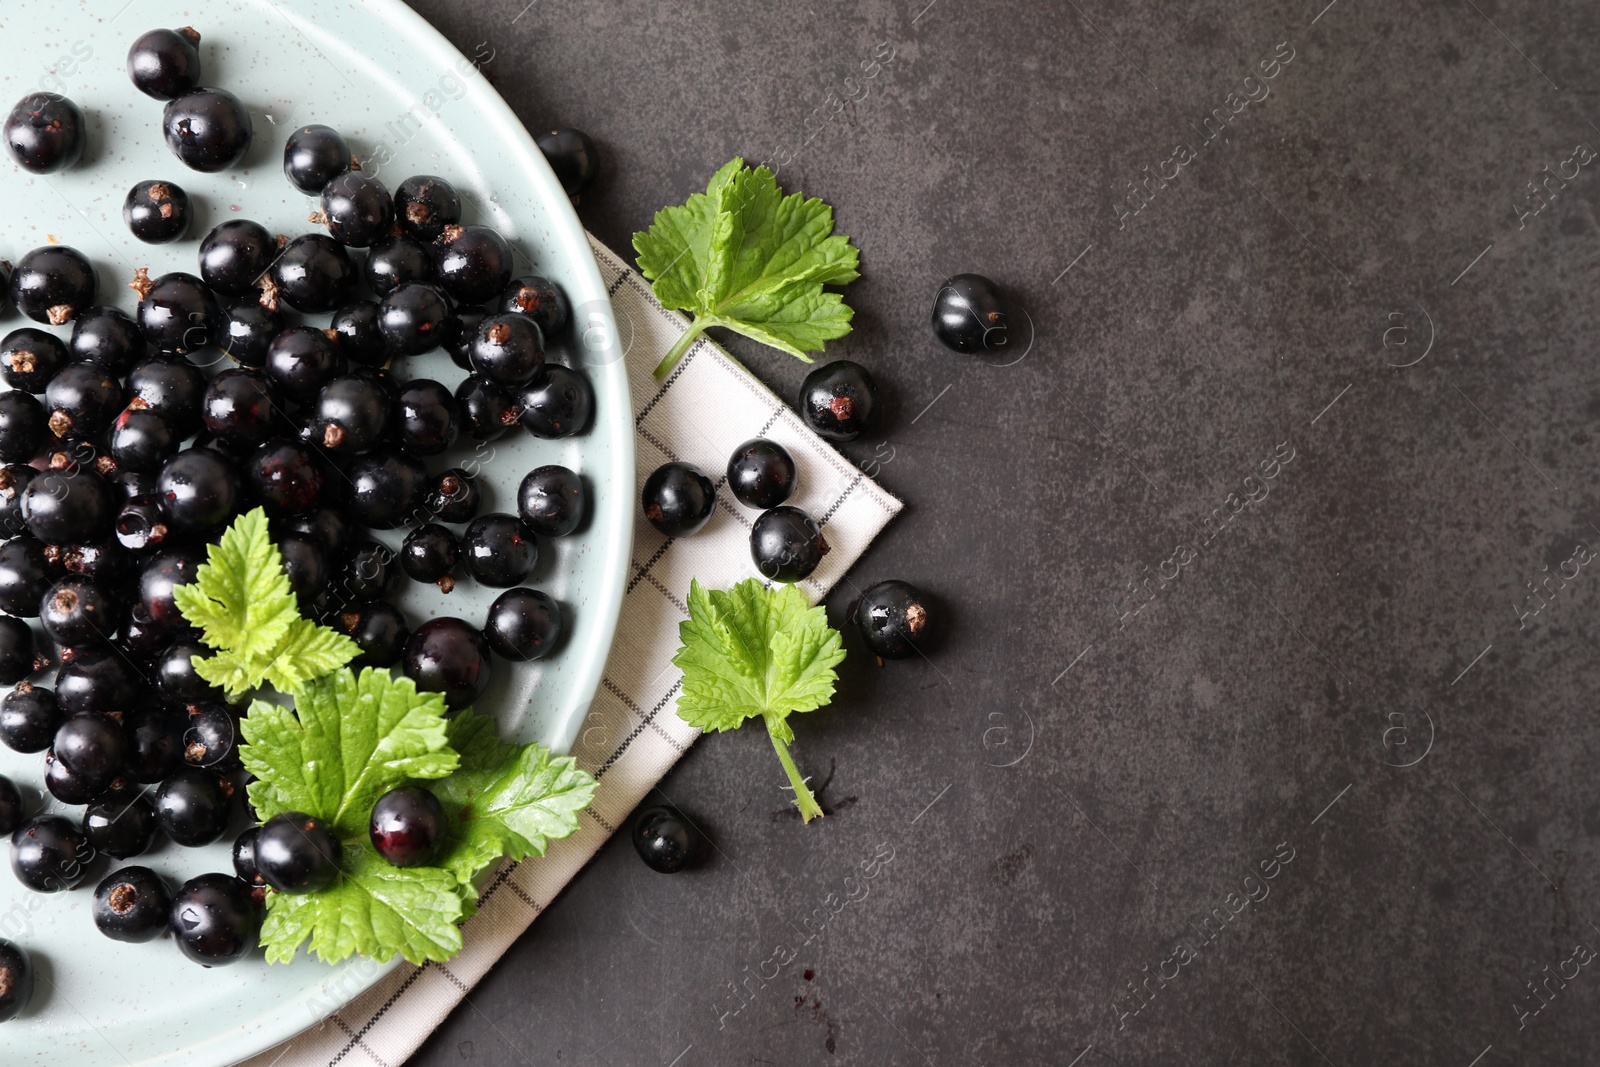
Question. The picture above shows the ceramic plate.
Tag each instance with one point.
(410, 103)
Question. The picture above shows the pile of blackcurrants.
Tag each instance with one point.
(134, 459)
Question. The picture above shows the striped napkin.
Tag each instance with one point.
(632, 736)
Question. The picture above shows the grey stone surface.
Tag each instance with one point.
(1068, 793)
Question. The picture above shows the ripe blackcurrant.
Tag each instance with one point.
(214, 919)
(157, 212)
(358, 208)
(786, 544)
(838, 400)
(296, 853)
(407, 826)
(30, 358)
(572, 156)
(558, 402)
(208, 129)
(425, 205)
(498, 550)
(165, 63)
(53, 284)
(761, 473)
(523, 625)
(551, 500)
(49, 854)
(677, 499)
(448, 656)
(132, 904)
(45, 133)
(313, 156)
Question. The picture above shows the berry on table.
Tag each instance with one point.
(551, 500)
(523, 625)
(45, 133)
(120, 827)
(472, 263)
(313, 156)
(314, 274)
(786, 544)
(508, 350)
(49, 854)
(838, 400)
(234, 256)
(541, 300)
(53, 284)
(571, 154)
(16, 980)
(30, 358)
(407, 826)
(894, 619)
(214, 919)
(498, 550)
(667, 842)
(761, 473)
(558, 402)
(165, 63)
(157, 212)
(357, 208)
(971, 315)
(678, 499)
(430, 552)
(193, 807)
(132, 904)
(424, 205)
(208, 129)
(29, 718)
(296, 853)
(448, 656)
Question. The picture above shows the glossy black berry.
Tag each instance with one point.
(68, 786)
(16, 980)
(412, 318)
(472, 263)
(141, 440)
(165, 572)
(132, 904)
(77, 613)
(313, 156)
(50, 854)
(234, 256)
(175, 676)
(541, 300)
(678, 499)
(351, 415)
(551, 500)
(315, 273)
(155, 742)
(459, 331)
(244, 858)
(357, 333)
(53, 284)
(558, 402)
(239, 405)
(378, 628)
(246, 331)
(407, 826)
(296, 853)
(193, 807)
(425, 205)
(395, 260)
(109, 337)
(165, 63)
(96, 682)
(65, 507)
(667, 842)
(426, 419)
(29, 718)
(971, 315)
(761, 473)
(92, 746)
(157, 212)
(211, 736)
(11, 807)
(22, 426)
(838, 400)
(172, 388)
(45, 133)
(287, 477)
(358, 208)
(325, 525)
(121, 827)
(454, 496)
(307, 567)
(786, 544)
(487, 410)
(301, 360)
(215, 920)
(429, 554)
(200, 490)
(82, 400)
(508, 350)
(208, 129)
(14, 480)
(369, 574)
(498, 550)
(448, 656)
(523, 625)
(571, 154)
(30, 358)
(178, 314)
(142, 523)
(385, 488)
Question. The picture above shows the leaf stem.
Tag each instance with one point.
(809, 808)
(676, 352)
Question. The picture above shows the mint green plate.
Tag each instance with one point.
(409, 103)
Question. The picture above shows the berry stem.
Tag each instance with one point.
(676, 352)
(809, 808)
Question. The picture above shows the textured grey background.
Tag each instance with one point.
(1363, 615)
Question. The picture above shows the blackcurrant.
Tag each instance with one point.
(67, 785)
(208, 129)
(296, 853)
(301, 360)
(315, 273)
(385, 488)
(286, 476)
(472, 263)
(63, 507)
(214, 920)
(326, 526)
(425, 205)
(176, 679)
(761, 473)
(132, 904)
(77, 613)
(14, 479)
(244, 858)
(82, 400)
(95, 684)
(234, 256)
(166, 571)
(178, 314)
(172, 388)
(369, 574)
(448, 656)
(667, 842)
(247, 328)
(53, 284)
(551, 500)
(49, 854)
(358, 334)
(193, 806)
(498, 550)
(838, 400)
(542, 300)
(407, 826)
(426, 419)
(358, 208)
(165, 63)
(93, 747)
(157, 212)
(199, 488)
(45, 133)
(412, 318)
(109, 337)
(306, 566)
(487, 410)
(121, 827)
(29, 718)
(17, 655)
(786, 544)
(351, 415)
(16, 980)
(141, 440)
(454, 496)
(508, 350)
(523, 625)
(971, 315)
(155, 742)
(12, 810)
(313, 156)
(571, 154)
(378, 628)
(22, 426)
(30, 358)
(558, 402)
(395, 261)
(429, 554)
(678, 499)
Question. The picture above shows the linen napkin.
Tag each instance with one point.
(632, 735)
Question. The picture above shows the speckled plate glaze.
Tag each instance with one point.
(410, 103)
